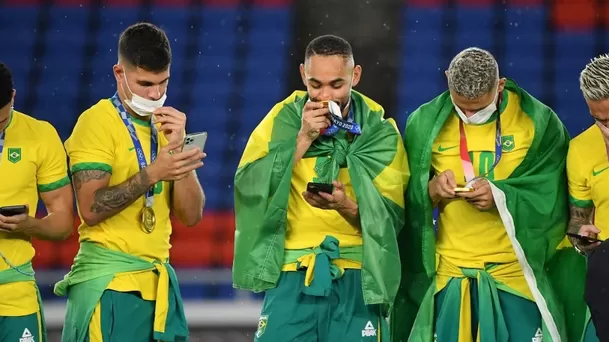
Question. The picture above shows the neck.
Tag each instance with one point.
(5, 119)
(345, 112)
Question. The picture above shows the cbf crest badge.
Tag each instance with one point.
(14, 154)
(507, 143)
(262, 321)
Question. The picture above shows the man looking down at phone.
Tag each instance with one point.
(483, 277)
(327, 261)
(32, 162)
(587, 164)
(129, 174)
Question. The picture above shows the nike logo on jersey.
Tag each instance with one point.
(442, 149)
(596, 173)
(131, 149)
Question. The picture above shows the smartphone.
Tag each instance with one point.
(195, 140)
(585, 239)
(463, 189)
(13, 210)
(316, 188)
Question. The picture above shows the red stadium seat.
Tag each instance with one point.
(575, 15)
(226, 255)
(209, 244)
(426, 3)
(273, 3)
(523, 3)
(67, 251)
(46, 254)
(192, 253)
(173, 3)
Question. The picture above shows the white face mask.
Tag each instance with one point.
(142, 106)
(481, 116)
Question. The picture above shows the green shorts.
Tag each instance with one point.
(122, 316)
(289, 315)
(21, 328)
(521, 316)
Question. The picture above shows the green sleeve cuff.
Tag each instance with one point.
(55, 185)
(580, 203)
(91, 166)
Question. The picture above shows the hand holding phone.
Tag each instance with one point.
(463, 190)
(586, 240)
(443, 186)
(583, 243)
(194, 140)
(13, 210)
(316, 188)
(14, 218)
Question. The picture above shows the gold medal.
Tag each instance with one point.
(148, 220)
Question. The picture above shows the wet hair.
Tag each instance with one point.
(473, 73)
(594, 79)
(329, 45)
(6, 85)
(146, 46)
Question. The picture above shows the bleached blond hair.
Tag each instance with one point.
(594, 79)
(473, 73)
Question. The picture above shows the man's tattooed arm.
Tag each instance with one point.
(578, 217)
(97, 201)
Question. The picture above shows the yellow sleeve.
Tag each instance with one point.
(579, 188)
(52, 171)
(90, 147)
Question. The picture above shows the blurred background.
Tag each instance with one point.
(234, 59)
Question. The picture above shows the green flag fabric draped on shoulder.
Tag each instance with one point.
(378, 168)
(532, 203)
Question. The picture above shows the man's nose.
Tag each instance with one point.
(154, 92)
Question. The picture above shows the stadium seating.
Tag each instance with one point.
(231, 63)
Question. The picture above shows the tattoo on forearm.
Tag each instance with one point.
(81, 177)
(578, 217)
(119, 196)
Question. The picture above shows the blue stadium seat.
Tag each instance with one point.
(474, 27)
(17, 32)
(271, 19)
(573, 51)
(524, 39)
(19, 18)
(220, 18)
(64, 44)
(421, 68)
(114, 20)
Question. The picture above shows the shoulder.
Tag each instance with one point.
(586, 139)
(429, 110)
(36, 128)
(98, 115)
(364, 100)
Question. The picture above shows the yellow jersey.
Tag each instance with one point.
(307, 226)
(466, 236)
(33, 161)
(587, 171)
(101, 141)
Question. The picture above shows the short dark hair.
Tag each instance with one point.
(6, 85)
(329, 45)
(146, 46)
